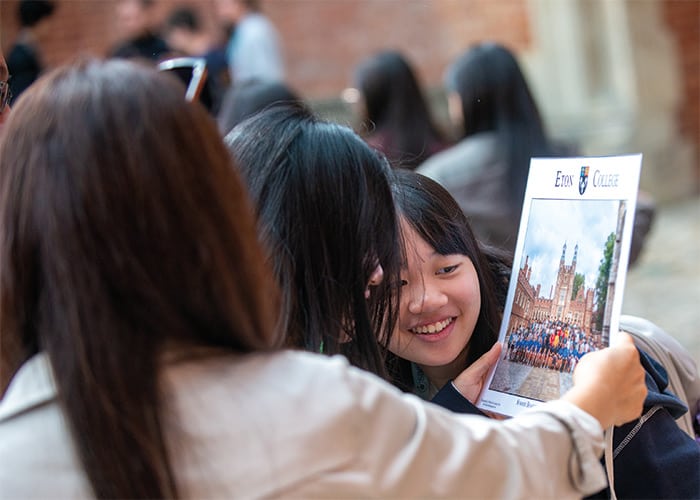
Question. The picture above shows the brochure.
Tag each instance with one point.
(565, 293)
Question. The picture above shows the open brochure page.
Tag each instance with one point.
(565, 293)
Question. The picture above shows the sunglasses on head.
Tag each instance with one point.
(192, 71)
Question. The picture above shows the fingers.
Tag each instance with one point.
(609, 383)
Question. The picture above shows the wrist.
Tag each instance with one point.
(590, 404)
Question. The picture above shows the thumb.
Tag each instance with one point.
(470, 381)
(482, 365)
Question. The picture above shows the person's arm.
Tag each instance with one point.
(407, 448)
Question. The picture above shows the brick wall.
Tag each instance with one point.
(683, 18)
(323, 39)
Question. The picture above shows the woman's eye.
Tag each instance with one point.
(447, 269)
(403, 283)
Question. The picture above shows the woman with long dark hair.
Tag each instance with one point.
(115, 248)
(501, 129)
(137, 321)
(395, 114)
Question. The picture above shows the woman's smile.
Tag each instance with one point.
(435, 331)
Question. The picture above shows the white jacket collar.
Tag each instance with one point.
(33, 385)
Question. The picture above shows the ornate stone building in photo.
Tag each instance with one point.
(560, 304)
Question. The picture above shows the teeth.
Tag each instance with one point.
(433, 327)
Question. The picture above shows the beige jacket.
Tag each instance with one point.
(299, 425)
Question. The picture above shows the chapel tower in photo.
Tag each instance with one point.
(560, 305)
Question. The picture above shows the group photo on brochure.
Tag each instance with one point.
(566, 283)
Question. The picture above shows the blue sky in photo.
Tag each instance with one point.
(555, 222)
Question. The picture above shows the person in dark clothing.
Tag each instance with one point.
(135, 19)
(186, 36)
(652, 457)
(25, 60)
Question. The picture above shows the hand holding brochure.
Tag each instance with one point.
(568, 275)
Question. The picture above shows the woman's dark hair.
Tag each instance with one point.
(250, 97)
(437, 218)
(398, 115)
(326, 216)
(495, 97)
(184, 17)
(30, 12)
(125, 230)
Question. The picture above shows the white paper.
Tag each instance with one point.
(573, 207)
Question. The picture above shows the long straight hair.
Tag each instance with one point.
(326, 217)
(397, 109)
(124, 228)
(436, 217)
(496, 97)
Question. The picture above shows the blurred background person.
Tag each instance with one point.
(500, 128)
(254, 50)
(395, 115)
(490, 102)
(25, 61)
(137, 27)
(185, 35)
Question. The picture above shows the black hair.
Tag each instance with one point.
(495, 97)
(183, 17)
(397, 110)
(326, 216)
(436, 217)
(30, 12)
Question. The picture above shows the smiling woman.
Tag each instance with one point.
(449, 316)
(440, 305)
(449, 310)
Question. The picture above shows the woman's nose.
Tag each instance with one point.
(425, 298)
